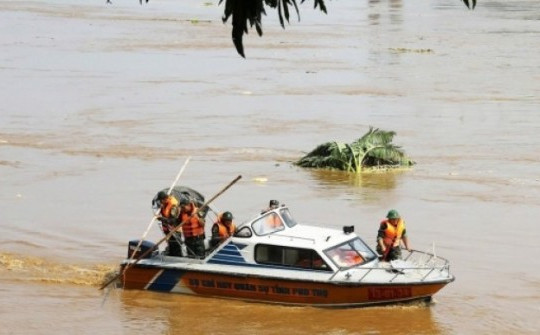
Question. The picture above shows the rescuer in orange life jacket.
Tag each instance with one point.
(222, 229)
(193, 228)
(272, 221)
(167, 202)
(391, 232)
(167, 215)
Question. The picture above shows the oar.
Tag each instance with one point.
(159, 209)
(128, 265)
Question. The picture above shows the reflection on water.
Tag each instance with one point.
(177, 313)
(394, 12)
(375, 179)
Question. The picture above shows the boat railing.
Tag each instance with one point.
(415, 261)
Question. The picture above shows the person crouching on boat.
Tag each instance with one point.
(167, 215)
(193, 227)
(391, 233)
(222, 229)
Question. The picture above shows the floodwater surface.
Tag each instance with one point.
(102, 104)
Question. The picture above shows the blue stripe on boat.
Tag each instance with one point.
(240, 246)
(229, 252)
(230, 247)
(166, 281)
(228, 258)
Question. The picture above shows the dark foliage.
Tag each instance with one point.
(248, 13)
(244, 12)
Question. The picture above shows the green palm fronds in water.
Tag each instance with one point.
(374, 149)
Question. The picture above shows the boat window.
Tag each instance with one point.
(290, 257)
(351, 253)
(269, 254)
(363, 249)
(243, 232)
(267, 224)
(287, 217)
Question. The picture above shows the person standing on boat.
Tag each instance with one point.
(167, 202)
(391, 233)
(192, 228)
(167, 213)
(222, 229)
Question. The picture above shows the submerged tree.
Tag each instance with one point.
(244, 12)
(374, 149)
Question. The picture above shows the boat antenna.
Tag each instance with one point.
(159, 209)
(154, 247)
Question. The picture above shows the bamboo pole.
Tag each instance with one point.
(128, 265)
(159, 209)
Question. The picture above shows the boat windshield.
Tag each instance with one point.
(269, 223)
(352, 253)
(287, 217)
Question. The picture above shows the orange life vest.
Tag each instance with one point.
(273, 220)
(224, 231)
(192, 224)
(169, 203)
(391, 233)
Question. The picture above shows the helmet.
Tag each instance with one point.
(274, 203)
(227, 216)
(162, 195)
(392, 214)
(183, 201)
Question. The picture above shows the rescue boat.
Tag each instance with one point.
(274, 259)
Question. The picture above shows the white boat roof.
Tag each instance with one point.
(306, 236)
(300, 235)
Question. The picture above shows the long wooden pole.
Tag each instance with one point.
(128, 265)
(158, 210)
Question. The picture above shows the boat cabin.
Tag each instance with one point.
(274, 239)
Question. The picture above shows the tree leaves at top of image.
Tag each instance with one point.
(374, 149)
(244, 12)
(470, 4)
(249, 12)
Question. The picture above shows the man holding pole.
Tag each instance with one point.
(390, 235)
(168, 213)
(192, 227)
(155, 246)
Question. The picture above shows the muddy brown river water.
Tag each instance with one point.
(101, 104)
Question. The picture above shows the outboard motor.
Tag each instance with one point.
(145, 246)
